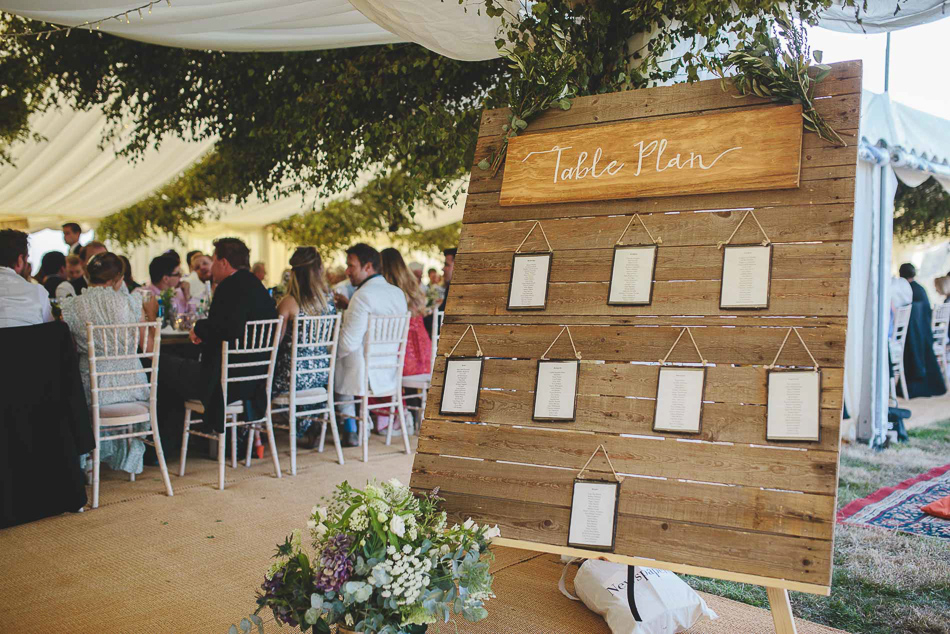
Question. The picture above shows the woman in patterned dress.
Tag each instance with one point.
(419, 344)
(308, 295)
(103, 303)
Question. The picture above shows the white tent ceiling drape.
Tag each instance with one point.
(455, 30)
(882, 15)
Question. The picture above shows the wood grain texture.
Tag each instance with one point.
(729, 151)
(726, 344)
(825, 260)
(745, 508)
(797, 558)
(806, 471)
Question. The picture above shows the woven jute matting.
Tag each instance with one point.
(144, 562)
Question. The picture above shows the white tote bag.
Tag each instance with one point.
(662, 602)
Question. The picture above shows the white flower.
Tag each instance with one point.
(397, 526)
(321, 529)
(395, 483)
(444, 549)
(311, 524)
(321, 511)
(391, 550)
(313, 511)
(348, 619)
(382, 517)
(469, 523)
(491, 532)
(406, 548)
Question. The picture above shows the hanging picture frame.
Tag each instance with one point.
(556, 384)
(462, 383)
(746, 277)
(530, 275)
(633, 270)
(679, 394)
(595, 509)
(794, 400)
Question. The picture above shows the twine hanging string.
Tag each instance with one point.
(765, 242)
(576, 353)
(684, 330)
(580, 474)
(656, 240)
(771, 366)
(537, 223)
(478, 346)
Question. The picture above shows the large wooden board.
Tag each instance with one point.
(726, 501)
(726, 151)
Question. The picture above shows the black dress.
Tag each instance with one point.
(921, 370)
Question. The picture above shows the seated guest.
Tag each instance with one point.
(419, 345)
(73, 267)
(373, 295)
(343, 291)
(199, 280)
(239, 298)
(21, 303)
(71, 233)
(259, 270)
(921, 369)
(308, 295)
(101, 304)
(165, 274)
(447, 270)
(76, 286)
(52, 271)
(188, 258)
(130, 284)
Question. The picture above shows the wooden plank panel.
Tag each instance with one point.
(724, 383)
(676, 100)
(722, 422)
(829, 260)
(796, 558)
(746, 508)
(786, 297)
(739, 344)
(827, 223)
(807, 471)
(727, 151)
(485, 207)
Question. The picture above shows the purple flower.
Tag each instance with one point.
(335, 565)
(271, 587)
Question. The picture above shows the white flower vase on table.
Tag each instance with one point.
(381, 560)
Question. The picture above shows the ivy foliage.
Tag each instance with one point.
(321, 121)
(921, 212)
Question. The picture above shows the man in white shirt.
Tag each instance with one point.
(21, 303)
(373, 295)
(199, 280)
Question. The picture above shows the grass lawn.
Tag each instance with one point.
(884, 582)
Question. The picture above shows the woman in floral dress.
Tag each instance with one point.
(104, 303)
(308, 295)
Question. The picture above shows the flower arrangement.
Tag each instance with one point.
(381, 561)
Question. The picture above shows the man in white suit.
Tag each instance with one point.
(373, 295)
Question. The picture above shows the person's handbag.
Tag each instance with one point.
(637, 600)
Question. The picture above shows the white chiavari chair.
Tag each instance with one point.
(114, 353)
(896, 347)
(939, 325)
(384, 348)
(423, 382)
(314, 339)
(260, 338)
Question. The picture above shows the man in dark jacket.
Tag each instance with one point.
(239, 298)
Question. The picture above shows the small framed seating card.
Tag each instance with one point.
(594, 507)
(746, 276)
(555, 390)
(631, 277)
(794, 405)
(463, 383)
(679, 399)
(530, 274)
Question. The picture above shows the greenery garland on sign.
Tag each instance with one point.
(321, 121)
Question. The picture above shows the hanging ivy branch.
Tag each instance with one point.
(777, 66)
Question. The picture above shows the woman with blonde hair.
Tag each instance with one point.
(419, 348)
(308, 295)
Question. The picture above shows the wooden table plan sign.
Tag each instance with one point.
(690, 160)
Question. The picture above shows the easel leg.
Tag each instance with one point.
(781, 611)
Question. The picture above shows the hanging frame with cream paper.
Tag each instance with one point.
(462, 386)
(594, 510)
(794, 406)
(632, 275)
(530, 275)
(555, 390)
(746, 276)
(679, 400)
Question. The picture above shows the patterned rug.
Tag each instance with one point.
(898, 508)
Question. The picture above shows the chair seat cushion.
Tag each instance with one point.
(196, 406)
(122, 410)
(304, 397)
(417, 380)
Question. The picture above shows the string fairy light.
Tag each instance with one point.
(89, 24)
